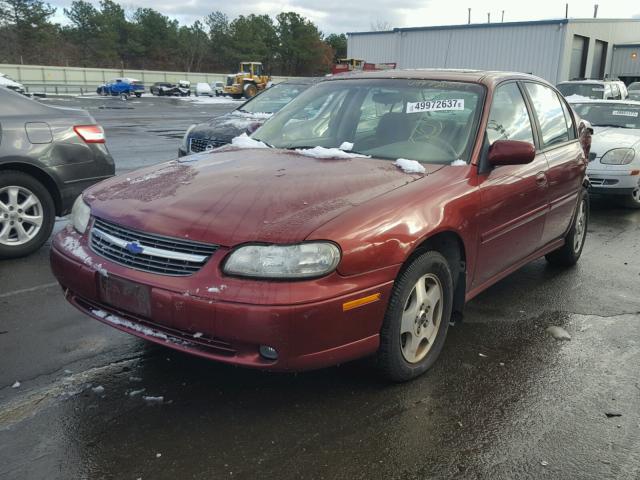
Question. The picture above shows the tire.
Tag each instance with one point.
(569, 253)
(632, 200)
(124, 96)
(249, 90)
(138, 95)
(11, 246)
(396, 358)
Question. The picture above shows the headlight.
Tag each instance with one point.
(185, 140)
(305, 260)
(80, 215)
(618, 156)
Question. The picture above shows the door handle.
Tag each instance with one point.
(541, 179)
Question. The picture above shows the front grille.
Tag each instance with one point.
(197, 145)
(148, 252)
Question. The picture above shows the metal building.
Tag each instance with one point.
(626, 62)
(556, 50)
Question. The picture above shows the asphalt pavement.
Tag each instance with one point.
(505, 400)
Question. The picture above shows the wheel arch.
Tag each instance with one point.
(452, 247)
(39, 174)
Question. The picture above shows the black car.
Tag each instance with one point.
(246, 118)
(48, 156)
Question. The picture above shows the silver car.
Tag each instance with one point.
(614, 162)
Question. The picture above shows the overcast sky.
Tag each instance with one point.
(338, 16)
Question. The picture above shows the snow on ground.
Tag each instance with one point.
(321, 152)
(244, 141)
(409, 166)
(210, 100)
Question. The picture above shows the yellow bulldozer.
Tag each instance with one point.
(248, 81)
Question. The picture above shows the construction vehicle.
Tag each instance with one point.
(248, 81)
(354, 64)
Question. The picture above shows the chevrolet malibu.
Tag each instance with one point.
(355, 222)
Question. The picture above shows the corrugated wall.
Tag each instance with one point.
(624, 64)
(524, 48)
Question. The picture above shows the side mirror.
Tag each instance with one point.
(511, 152)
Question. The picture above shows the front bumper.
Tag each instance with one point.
(306, 335)
(613, 182)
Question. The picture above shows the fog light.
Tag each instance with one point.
(268, 352)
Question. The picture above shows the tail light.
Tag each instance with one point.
(90, 133)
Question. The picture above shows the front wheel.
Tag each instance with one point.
(633, 199)
(138, 95)
(417, 318)
(569, 253)
(27, 214)
(250, 90)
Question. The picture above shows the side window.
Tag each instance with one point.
(509, 118)
(569, 120)
(548, 111)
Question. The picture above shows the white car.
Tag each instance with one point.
(614, 161)
(8, 82)
(218, 88)
(594, 89)
(203, 89)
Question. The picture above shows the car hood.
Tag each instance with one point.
(231, 196)
(227, 126)
(606, 138)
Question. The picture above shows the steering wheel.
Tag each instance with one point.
(428, 130)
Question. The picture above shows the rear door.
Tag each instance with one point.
(514, 197)
(559, 142)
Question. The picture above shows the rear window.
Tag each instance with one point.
(587, 90)
(610, 115)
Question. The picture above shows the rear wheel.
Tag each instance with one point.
(417, 318)
(250, 90)
(124, 96)
(27, 214)
(138, 95)
(569, 253)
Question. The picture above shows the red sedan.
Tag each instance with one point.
(357, 221)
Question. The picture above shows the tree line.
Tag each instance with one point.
(108, 36)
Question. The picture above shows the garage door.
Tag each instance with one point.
(599, 59)
(578, 57)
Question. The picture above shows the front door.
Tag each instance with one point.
(514, 197)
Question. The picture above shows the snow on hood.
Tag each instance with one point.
(606, 138)
(577, 98)
(409, 166)
(321, 152)
(245, 141)
(242, 120)
(346, 146)
(458, 163)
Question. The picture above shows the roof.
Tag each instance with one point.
(302, 80)
(476, 76)
(627, 45)
(557, 21)
(592, 81)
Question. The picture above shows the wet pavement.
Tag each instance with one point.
(505, 399)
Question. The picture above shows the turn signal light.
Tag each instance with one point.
(90, 133)
(634, 173)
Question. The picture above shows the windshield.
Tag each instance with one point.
(274, 98)
(634, 86)
(614, 115)
(589, 90)
(424, 120)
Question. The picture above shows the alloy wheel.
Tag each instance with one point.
(21, 215)
(421, 318)
(581, 227)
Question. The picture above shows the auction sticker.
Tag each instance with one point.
(624, 113)
(435, 105)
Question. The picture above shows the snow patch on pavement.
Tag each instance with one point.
(16, 384)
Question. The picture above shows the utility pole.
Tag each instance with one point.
(502, 16)
(488, 17)
(566, 10)
(469, 17)
(595, 11)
